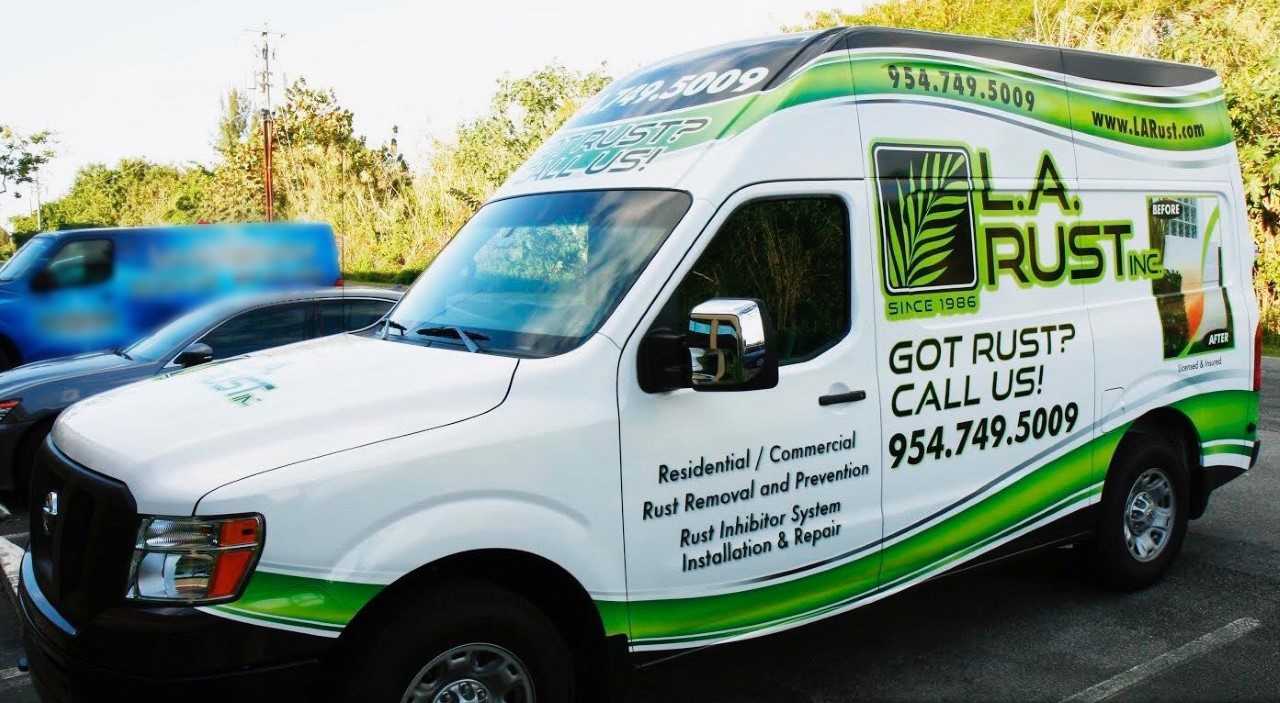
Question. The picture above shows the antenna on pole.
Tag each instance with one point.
(266, 53)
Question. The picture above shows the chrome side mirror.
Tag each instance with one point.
(731, 346)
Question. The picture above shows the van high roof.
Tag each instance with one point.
(1089, 65)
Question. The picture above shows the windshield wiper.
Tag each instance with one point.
(394, 325)
(468, 338)
(122, 352)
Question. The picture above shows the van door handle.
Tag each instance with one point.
(838, 398)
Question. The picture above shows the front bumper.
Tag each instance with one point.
(134, 654)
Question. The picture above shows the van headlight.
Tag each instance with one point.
(196, 561)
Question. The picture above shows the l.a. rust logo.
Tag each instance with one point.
(947, 237)
(927, 228)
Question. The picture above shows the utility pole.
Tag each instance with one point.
(266, 53)
(39, 210)
(268, 126)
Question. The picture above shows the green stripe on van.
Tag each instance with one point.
(1222, 414)
(302, 601)
(1227, 449)
(1069, 479)
(718, 616)
(1170, 123)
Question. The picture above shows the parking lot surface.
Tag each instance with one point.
(1031, 629)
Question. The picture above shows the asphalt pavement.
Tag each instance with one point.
(15, 685)
(1031, 629)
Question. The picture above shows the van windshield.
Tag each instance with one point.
(537, 275)
(25, 258)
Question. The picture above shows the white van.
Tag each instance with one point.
(766, 333)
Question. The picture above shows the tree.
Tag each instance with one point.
(390, 221)
(134, 192)
(21, 157)
(1011, 19)
(233, 127)
(524, 112)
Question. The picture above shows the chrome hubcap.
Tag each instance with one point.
(472, 673)
(1149, 513)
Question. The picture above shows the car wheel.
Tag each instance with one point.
(1145, 507)
(464, 643)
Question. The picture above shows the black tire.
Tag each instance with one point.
(1117, 553)
(392, 649)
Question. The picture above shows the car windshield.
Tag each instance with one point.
(537, 275)
(25, 258)
(164, 342)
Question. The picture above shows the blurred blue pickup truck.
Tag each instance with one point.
(96, 289)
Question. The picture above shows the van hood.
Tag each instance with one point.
(176, 438)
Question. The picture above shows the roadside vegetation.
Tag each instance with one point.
(391, 218)
(393, 215)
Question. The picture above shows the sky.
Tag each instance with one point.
(143, 78)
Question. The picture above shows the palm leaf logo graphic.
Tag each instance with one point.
(922, 229)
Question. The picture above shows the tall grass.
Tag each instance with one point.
(385, 235)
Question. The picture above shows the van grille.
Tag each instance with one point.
(81, 555)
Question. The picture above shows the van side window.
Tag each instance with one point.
(259, 329)
(81, 263)
(791, 253)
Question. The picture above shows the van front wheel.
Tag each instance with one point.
(471, 643)
(1145, 506)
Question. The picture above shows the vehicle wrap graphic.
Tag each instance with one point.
(1067, 479)
(1195, 312)
(1181, 120)
(689, 81)
(321, 606)
(1051, 487)
(937, 255)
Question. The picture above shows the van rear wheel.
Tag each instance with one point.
(1145, 506)
(463, 643)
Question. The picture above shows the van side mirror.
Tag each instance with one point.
(43, 282)
(194, 355)
(663, 361)
(731, 346)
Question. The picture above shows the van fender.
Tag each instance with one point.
(463, 522)
(407, 544)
